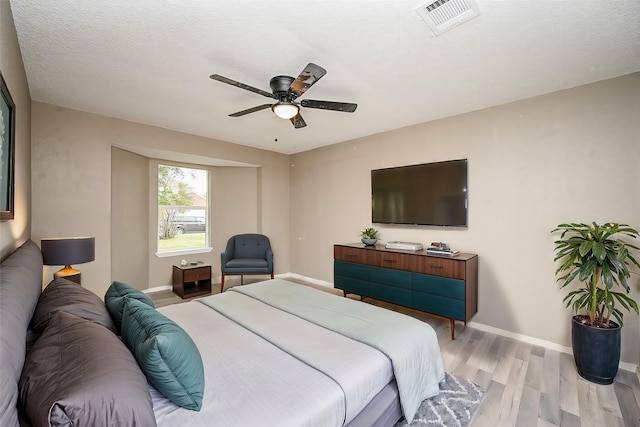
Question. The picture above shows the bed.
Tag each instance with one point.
(270, 353)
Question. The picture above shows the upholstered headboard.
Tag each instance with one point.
(20, 287)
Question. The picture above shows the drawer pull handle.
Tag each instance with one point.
(437, 266)
(389, 260)
(352, 255)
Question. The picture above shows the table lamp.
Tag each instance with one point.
(66, 251)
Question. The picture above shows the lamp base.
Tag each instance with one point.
(68, 273)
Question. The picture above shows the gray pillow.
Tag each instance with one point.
(79, 373)
(64, 295)
(115, 296)
(20, 285)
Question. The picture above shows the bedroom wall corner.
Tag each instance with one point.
(15, 232)
(129, 215)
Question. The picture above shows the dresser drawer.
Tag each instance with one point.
(350, 269)
(196, 274)
(390, 294)
(351, 284)
(390, 260)
(440, 267)
(344, 253)
(442, 306)
(436, 285)
(390, 277)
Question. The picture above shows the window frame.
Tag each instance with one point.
(206, 210)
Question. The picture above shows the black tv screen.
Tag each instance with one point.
(425, 194)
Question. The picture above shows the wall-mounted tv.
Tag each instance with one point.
(425, 194)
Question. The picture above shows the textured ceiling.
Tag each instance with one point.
(149, 61)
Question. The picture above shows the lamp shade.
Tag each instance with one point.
(68, 250)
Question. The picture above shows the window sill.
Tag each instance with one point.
(166, 254)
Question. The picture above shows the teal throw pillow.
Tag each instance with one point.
(115, 296)
(165, 352)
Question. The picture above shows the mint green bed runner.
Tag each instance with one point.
(411, 345)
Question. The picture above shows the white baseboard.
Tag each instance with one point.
(306, 279)
(158, 289)
(520, 337)
(536, 341)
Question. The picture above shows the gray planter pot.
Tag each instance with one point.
(369, 242)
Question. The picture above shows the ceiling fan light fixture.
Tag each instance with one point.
(285, 110)
(285, 90)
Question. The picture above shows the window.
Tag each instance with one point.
(182, 208)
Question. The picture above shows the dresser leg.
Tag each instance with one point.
(452, 323)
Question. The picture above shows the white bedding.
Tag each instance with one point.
(411, 345)
(251, 382)
(268, 367)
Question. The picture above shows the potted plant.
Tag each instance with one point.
(595, 256)
(369, 236)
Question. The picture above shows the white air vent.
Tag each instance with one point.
(442, 15)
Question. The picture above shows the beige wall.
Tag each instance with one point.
(129, 218)
(573, 155)
(236, 209)
(71, 161)
(15, 232)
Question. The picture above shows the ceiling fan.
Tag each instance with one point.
(285, 90)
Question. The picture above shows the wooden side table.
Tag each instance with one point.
(191, 281)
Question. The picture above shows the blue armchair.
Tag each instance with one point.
(246, 254)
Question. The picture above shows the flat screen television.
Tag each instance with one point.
(425, 194)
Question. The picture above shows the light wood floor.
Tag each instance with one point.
(525, 385)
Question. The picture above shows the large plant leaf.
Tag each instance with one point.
(617, 314)
(587, 269)
(599, 250)
(585, 247)
(607, 277)
(567, 279)
(625, 299)
(577, 299)
(632, 258)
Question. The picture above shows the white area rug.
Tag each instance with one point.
(453, 407)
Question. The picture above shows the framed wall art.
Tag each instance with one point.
(7, 151)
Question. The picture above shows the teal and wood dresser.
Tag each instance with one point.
(440, 285)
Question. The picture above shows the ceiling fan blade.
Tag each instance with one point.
(297, 121)
(311, 74)
(250, 110)
(228, 81)
(329, 105)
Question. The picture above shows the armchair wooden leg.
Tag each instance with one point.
(272, 275)
(222, 284)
